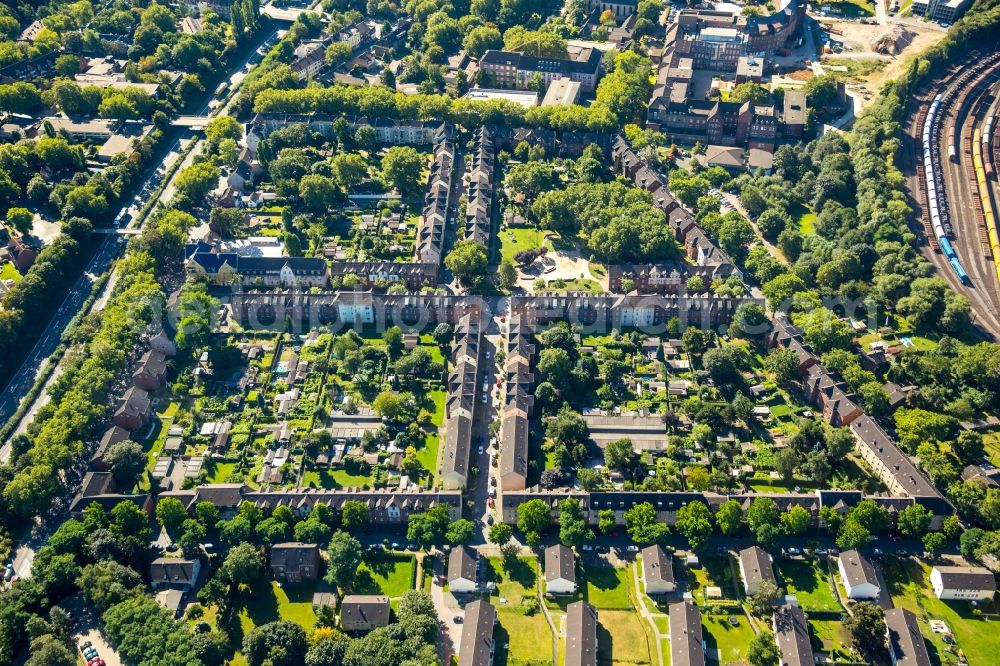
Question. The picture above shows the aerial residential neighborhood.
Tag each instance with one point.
(499, 333)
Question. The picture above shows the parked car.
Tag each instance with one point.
(97, 662)
(632, 548)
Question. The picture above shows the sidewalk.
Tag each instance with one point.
(658, 638)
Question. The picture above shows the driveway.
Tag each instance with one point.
(447, 609)
(89, 629)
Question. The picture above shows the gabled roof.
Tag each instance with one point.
(686, 640)
(857, 569)
(560, 563)
(967, 578)
(171, 570)
(791, 631)
(581, 634)
(462, 564)
(757, 565)
(656, 565)
(476, 647)
(906, 644)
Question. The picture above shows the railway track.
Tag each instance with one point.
(958, 91)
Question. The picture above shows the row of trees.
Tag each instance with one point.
(764, 520)
(81, 396)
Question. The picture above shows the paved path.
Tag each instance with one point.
(447, 609)
(649, 617)
(548, 618)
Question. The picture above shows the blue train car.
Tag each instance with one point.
(946, 247)
(959, 271)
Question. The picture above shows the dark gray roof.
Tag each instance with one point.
(476, 645)
(757, 565)
(171, 570)
(462, 563)
(560, 563)
(967, 578)
(686, 641)
(656, 565)
(363, 610)
(581, 634)
(858, 569)
(906, 645)
(791, 631)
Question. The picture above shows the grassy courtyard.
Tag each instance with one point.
(622, 640)
(390, 574)
(517, 240)
(607, 587)
(523, 638)
(731, 641)
(809, 581)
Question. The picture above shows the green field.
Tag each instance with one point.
(334, 478)
(975, 635)
(809, 581)
(521, 639)
(852, 7)
(729, 640)
(514, 240)
(991, 441)
(804, 218)
(268, 602)
(607, 587)
(576, 284)
(8, 272)
(831, 637)
(622, 640)
(390, 574)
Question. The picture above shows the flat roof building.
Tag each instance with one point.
(561, 91)
(526, 98)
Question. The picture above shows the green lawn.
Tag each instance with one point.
(428, 453)
(805, 218)
(832, 637)
(713, 572)
(607, 587)
(729, 640)
(8, 272)
(622, 639)
(852, 7)
(991, 441)
(809, 581)
(267, 602)
(576, 284)
(522, 640)
(976, 636)
(390, 574)
(221, 472)
(517, 240)
(334, 478)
